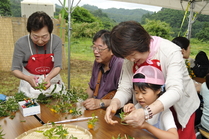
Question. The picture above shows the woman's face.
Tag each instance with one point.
(138, 57)
(145, 97)
(186, 53)
(40, 37)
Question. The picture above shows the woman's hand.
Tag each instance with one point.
(91, 104)
(129, 108)
(31, 80)
(135, 118)
(48, 83)
(111, 110)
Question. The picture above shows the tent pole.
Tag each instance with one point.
(69, 33)
(190, 21)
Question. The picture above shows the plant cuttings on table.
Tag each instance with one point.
(56, 132)
(125, 137)
(65, 101)
(122, 116)
(10, 106)
(41, 86)
(92, 122)
(1, 133)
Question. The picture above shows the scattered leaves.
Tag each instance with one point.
(10, 106)
(122, 116)
(41, 86)
(191, 73)
(92, 122)
(125, 137)
(1, 134)
(56, 132)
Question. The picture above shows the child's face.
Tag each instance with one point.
(146, 97)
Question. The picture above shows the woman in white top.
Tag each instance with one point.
(130, 41)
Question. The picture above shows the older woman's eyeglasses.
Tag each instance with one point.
(93, 47)
(43, 38)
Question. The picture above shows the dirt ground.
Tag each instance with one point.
(80, 72)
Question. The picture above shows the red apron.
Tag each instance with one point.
(40, 64)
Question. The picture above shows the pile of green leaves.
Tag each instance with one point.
(64, 101)
(125, 137)
(1, 133)
(41, 86)
(122, 115)
(56, 132)
(10, 106)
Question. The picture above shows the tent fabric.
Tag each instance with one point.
(175, 4)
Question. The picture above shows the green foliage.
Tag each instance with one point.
(203, 34)
(1, 133)
(56, 132)
(158, 28)
(123, 137)
(64, 101)
(81, 15)
(106, 21)
(5, 8)
(174, 18)
(119, 15)
(16, 8)
(81, 30)
(93, 121)
(10, 106)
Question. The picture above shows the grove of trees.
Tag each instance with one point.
(87, 20)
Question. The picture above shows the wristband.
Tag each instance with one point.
(147, 113)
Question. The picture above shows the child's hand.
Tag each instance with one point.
(128, 108)
(145, 125)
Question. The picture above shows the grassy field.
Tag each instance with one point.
(81, 61)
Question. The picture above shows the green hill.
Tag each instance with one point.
(119, 15)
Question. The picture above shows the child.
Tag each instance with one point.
(148, 84)
(205, 95)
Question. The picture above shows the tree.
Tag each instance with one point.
(106, 21)
(80, 15)
(203, 34)
(15, 8)
(158, 28)
(5, 8)
(83, 23)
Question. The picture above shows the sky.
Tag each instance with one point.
(105, 4)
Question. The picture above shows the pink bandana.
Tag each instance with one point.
(154, 45)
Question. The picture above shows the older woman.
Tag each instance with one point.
(37, 57)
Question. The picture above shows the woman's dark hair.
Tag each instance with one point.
(143, 86)
(104, 35)
(127, 37)
(181, 42)
(38, 20)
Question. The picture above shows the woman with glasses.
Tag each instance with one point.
(105, 73)
(37, 58)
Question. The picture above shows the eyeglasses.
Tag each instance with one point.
(43, 38)
(99, 50)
